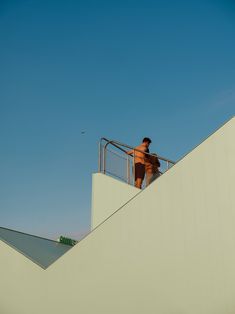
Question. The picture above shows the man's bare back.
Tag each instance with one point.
(139, 156)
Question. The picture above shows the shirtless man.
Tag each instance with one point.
(139, 161)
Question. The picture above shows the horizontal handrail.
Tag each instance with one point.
(118, 144)
(127, 171)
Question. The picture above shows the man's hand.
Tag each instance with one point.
(130, 152)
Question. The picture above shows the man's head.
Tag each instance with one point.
(146, 142)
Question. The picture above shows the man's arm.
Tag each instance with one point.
(138, 149)
(130, 152)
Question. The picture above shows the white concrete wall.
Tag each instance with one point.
(171, 249)
(108, 195)
(21, 282)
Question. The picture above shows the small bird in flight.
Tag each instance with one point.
(83, 132)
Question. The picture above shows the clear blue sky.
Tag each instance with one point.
(121, 69)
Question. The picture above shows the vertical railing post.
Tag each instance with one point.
(133, 166)
(99, 165)
(104, 159)
(128, 170)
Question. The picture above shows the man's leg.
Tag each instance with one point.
(138, 183)
(139, 174)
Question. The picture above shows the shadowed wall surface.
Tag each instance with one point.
(42, 251)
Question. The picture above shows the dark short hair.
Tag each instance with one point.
(147, 139)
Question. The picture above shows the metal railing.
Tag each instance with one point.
(115, 162)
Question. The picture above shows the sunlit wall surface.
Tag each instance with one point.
(170, 249)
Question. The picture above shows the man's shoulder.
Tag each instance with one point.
(141, 147)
